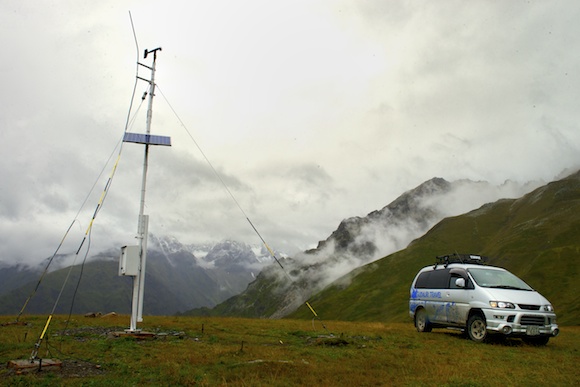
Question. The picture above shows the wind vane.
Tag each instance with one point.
(134, 258)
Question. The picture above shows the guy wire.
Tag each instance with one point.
(64, 238)
(89, 229)
(33, 293)
(99, 205)
(222, 182)
(236, 202)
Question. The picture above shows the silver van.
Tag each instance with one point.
(460, 291)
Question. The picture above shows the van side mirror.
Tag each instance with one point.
(460, 283)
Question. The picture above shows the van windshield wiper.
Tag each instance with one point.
(507, 287)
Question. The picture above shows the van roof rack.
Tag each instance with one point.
(460, 258)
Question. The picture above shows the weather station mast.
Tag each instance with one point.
(133, 259)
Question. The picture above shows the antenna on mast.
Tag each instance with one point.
(134, 258)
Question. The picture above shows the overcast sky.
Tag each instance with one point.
(311, 111)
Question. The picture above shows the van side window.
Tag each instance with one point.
(421, 282)
(452, 279)
(435, 279)
(458, 272)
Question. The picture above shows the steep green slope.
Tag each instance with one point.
(536, 237)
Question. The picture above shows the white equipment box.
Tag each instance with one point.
(129, 261)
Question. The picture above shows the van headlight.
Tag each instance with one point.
(502, 305)
(548, 308)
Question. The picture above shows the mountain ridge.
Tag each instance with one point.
(535, 237)
(356, 242)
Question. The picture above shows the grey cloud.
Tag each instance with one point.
(303, 136)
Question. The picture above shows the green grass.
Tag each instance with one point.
(262, 352)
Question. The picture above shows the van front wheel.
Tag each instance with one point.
(539, 341)
(476, 328)
(421, 322)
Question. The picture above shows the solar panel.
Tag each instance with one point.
(149, 139)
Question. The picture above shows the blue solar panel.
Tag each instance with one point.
(150, 139)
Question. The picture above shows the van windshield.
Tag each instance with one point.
(491, 278)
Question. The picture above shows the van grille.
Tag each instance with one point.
(532, 320)
(529, 307)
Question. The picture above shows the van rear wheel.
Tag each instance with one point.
(421, 322)
(476, 328)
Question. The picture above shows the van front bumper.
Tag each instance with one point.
(521, 323)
